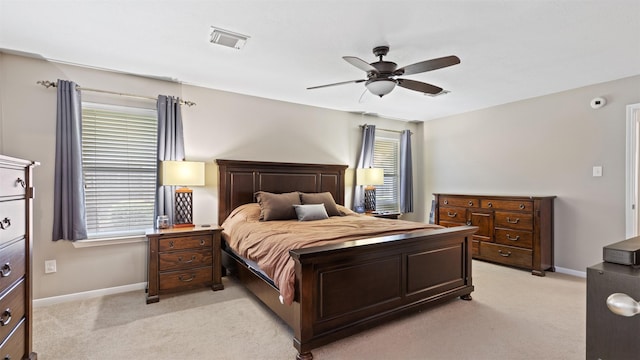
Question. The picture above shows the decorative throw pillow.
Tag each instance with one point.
(311, 212)
(277, 206)
(321, 198)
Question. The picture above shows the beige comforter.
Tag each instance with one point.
(268, 242)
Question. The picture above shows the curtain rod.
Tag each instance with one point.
(48, 84)
(389, 130)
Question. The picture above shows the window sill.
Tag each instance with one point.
(109, 241)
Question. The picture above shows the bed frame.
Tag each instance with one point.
(345, 288)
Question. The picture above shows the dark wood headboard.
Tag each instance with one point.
(240, 180)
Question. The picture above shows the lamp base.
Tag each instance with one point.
(369, 199)
(183, 208)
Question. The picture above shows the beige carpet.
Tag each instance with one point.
(513, 315)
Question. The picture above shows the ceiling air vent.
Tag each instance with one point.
(227, 38)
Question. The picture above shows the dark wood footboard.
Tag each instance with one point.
(346, 288)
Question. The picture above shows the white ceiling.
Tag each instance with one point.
(509, 50)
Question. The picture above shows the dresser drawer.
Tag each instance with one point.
(12, 218)
(11, 309)
(459, 201)
(185, 279)
(185, 259)
(12, 263)
(511, 220)
(453, 214)
(11, 182)
(508, 255)
(185, 242)
(517, 238)
(509, 205)
(13, 347)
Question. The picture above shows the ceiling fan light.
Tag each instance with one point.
(380, 87)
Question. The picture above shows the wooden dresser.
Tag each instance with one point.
(512, 230)
(16, 194)
(183, 259)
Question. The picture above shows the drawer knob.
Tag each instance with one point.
(5, 223)
(490, 204)
(505, 254)
(514, 238)
(6, 270)
(512, 221)
(193, 257)
(445, 202)
(202, 242)
(21, 183)
(469, 222)
(5, 318)
(450, 214)
(470, 203)
(185, 279)
(171, 244)
(623, 304)
(521, 206)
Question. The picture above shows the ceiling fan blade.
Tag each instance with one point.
(334, 84)
(360, 64)
(428, 65)
(418, 86)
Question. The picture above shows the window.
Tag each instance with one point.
(119, 167)
(386, 155)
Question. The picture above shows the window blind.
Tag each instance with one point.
(386, 153)
(119, 167)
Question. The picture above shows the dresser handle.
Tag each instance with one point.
(6, 270)
(513, 239)
(193, 257)
(22, 183)
(521, 206)
(512, 221)
(202, 242)
(5, 223)
(7, 357)
(490, 204)
(445, 202)
(469, 222)
(623, 305)
(171, 244)
(470, 203)
(449, 214)
(187, 280)
(5, 319)
(507, 254)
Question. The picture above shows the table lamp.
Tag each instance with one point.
(369, 177)
(182, 173)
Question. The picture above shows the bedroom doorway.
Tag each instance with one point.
(632, 215)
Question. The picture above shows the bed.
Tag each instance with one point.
(344, 288)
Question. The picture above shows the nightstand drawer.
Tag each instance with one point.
(11, 309)
(185, 242)
(13, 347)
(12, 182)
(186, 279)
(185, 259)
(12, 219)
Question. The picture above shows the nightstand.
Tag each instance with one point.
(386, 215)
(183, 259)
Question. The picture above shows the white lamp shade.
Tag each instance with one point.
(380, 87)
(182, 173)
(370, 176)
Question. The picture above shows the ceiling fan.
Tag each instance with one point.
(382, 76)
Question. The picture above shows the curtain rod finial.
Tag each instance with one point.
(46, 83)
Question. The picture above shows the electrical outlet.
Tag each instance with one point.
(597, 171)
(50, 266)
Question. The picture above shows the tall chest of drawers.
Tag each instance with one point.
(16, 194)
(512, 230)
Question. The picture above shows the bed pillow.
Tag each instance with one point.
(311, 212)
(321, 198)
(277, 206)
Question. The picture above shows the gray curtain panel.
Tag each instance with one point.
(365, 160)
(170, 147)
(406, 173)
(69, 217)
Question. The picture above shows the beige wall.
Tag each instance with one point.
(221, 125)
(544, 146)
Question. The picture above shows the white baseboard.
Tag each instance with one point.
(88, 294)
(582, 274)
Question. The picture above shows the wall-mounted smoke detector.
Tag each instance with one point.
(227, 38)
